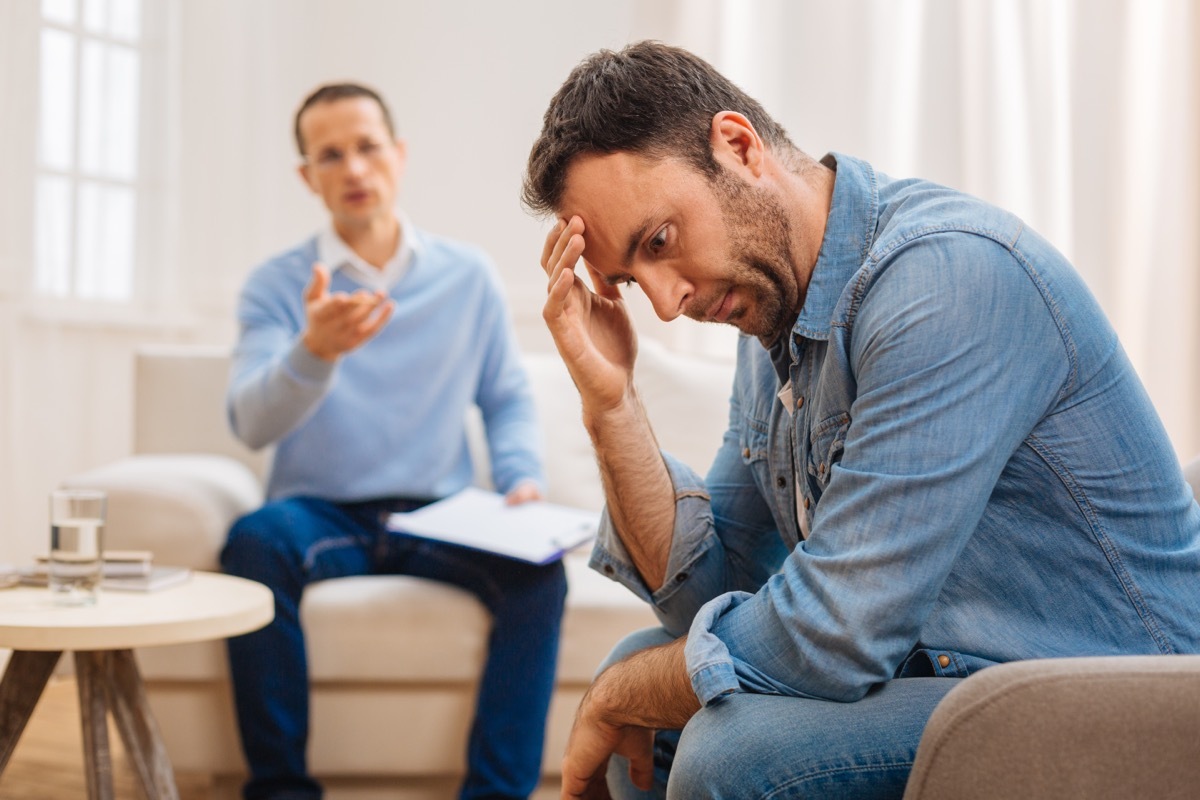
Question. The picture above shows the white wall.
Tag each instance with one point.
(468, 81)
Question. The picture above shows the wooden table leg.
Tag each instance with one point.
(90, 676)
(22, 685)
(131, 710)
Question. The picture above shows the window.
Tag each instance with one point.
(87, 181)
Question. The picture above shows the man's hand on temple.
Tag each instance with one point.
(595, 337)
(626, 704)
(340, 322)
(591, 329)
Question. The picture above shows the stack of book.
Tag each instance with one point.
(122, 570)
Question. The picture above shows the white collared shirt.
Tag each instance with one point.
(335, 254)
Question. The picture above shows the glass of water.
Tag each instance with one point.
(76, 545)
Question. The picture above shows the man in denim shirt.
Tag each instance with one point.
(938, 456)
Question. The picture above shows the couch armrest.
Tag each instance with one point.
(179, 507)
(1104, 727)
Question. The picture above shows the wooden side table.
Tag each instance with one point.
(102, 637)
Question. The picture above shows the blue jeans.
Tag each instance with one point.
(771, 747)
(290, 543)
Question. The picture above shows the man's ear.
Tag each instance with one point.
(306, 174)
(401, 154)
(736, 144)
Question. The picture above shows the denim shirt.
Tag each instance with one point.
(968, 471)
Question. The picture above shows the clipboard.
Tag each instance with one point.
(537, 531)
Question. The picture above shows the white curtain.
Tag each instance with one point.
(1081, 116)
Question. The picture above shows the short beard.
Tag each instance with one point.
(760, 235)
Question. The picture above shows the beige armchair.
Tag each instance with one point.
(1104, 728)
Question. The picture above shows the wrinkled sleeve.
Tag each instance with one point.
(956, 356)
(275, 382)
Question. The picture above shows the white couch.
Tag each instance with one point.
(394, 660)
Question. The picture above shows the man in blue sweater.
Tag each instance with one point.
(360, 351)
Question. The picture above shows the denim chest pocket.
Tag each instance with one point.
(756, 455)
(827, 441)
(755, 443)
(766, 455)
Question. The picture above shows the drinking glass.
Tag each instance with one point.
(76, 544)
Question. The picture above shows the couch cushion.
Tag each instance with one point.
(1192, 472)
(177, 383)
(571, 475)
(685, 397)
(600, 612)
(687, 401)
(385, 629)
(379, 628)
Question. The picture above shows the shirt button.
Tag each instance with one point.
(799, 402)
(608, 569)
(806, 503)
(781, 481)
(681, 577)
(746, 453)
(944, 660)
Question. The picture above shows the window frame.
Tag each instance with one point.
(152, 299)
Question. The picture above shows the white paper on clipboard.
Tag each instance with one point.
(537, 531)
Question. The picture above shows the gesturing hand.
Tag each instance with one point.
(340, 322)
(591, 329)
(523, 492)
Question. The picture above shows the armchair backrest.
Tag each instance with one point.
(179, 404)
(1192, 472)
(686, 398)
(180, 408)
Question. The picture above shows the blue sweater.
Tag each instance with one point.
(386, 419)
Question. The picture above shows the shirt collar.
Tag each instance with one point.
(335, 254)
(849, 231)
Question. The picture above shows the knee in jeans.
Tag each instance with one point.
(259, 537)
(708, 762)
(550, 581)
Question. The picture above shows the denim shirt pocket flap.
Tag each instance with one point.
(754, 441)
(828, 440)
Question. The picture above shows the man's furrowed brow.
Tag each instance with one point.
(635, 241)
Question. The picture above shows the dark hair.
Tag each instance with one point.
(332, 92)
(649, 98)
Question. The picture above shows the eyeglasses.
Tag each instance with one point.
(333, 159)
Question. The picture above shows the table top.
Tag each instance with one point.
(206, 606)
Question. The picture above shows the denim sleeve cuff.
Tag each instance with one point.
(709, 664)
(611, 559)
(691, 538)
(306, 367)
